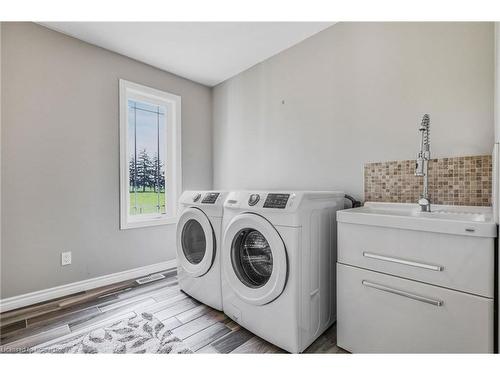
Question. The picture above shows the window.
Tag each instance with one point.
(150, 155)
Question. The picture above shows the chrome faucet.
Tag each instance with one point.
(422, 165)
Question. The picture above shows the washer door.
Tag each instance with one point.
(195, 242)
(254, 259)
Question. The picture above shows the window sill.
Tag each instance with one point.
(148, 222)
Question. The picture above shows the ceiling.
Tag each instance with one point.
(205, 52)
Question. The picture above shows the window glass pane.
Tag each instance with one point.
(148, 107)
(146, 153)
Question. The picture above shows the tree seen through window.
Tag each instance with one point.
(147, 158)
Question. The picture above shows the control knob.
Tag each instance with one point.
(254, 198)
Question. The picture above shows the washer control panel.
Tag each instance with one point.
(210, 198)
(254, 199)
(276, 200)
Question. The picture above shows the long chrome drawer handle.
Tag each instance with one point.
(403, 261)
(402, 293)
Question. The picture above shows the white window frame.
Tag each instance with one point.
(173, 165)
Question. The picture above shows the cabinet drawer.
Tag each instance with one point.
(378, 313)
(464, 263)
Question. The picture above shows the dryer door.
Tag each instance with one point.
(195, 242)
(254, 259)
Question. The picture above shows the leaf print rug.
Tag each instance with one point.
(140, 334)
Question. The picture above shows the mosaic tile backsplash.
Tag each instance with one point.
(464, 181)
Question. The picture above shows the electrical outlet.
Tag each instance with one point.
(65, 258)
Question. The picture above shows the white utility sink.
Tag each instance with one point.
(464, 220)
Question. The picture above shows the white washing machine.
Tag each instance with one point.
(199, 231)
(278, 264)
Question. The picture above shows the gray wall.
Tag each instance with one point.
(308, 118)
(0, 150)
(497, 83)
(60, 155)
(352, 94)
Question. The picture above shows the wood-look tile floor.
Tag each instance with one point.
(202, 328)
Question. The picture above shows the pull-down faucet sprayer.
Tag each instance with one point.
(422, 165)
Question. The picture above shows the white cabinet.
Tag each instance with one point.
(412, 291)
(457, 262)
(379, 313)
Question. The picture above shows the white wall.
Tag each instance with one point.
(497, 82)
(0, 147)
(60, 154)
(313, 115)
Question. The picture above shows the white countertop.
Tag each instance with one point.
(461, 220)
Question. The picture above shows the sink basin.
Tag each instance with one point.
(450, 215)
(438, 212)
(466, 220)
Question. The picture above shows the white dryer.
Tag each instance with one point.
(278, 264)
(199, 231)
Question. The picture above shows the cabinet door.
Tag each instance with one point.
(378, 313)
(464, 263)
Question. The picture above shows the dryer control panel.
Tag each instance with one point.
(274, 200)
(210, 198)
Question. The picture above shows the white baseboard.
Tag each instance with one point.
(27, 299)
